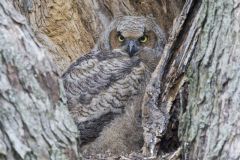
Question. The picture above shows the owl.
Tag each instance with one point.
(104, 88)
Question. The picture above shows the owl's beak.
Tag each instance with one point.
(132, 47)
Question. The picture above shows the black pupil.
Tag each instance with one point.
(143, 38)
(121, 38)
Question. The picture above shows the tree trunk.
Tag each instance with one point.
(208, 33)
(210, 126)
(34, 121)
(202, 49)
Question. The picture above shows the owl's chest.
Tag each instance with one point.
(108, 87)
(122, 88)
(128, 77)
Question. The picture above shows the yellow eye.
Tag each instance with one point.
(143, 39)
(121, 38)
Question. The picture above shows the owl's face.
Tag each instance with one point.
(133, 34)
(132, 41)
(137, 37)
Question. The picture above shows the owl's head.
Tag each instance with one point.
(132, 34)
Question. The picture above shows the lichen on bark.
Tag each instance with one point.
(34, 121)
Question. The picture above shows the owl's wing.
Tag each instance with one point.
(98, 83)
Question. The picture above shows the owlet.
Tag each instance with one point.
(105, 86)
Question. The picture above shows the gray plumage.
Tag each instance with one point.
(102, 85)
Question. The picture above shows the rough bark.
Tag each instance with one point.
(207, 34)
(71, 28)
(161, 106)
(34, 121)
(210, 126)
